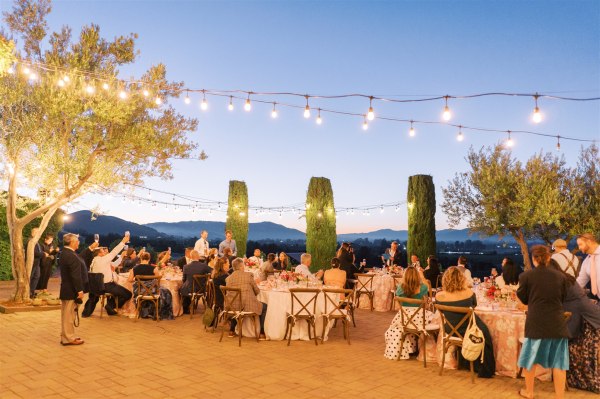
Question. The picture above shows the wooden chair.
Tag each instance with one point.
(411, 327)
(302, 310)
(439, 281)
(397, 281)
(233, 309)
(103, 299)
(211, 301)
(430, 296)
(148, 290)
(337, 309)
(454, 337)
(198, 292)
(364, 286)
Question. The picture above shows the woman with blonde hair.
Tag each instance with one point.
(455, 292)
(164, 258)
(212, 257)
(411, 287)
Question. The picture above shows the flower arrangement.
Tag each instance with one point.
(394, 269)
(290, 276)
(250, 263)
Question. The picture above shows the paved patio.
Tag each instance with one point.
(177, 359)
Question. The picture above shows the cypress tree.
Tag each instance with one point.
(421, 217)
(237, 214)
(321, 238)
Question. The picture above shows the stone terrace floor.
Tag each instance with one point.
(177, 359)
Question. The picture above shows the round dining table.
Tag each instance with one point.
(170, 281)
(383, 284)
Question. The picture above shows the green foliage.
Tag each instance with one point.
(237, 214)
(421, 217)
(321, 238)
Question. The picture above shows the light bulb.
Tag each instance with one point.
(509, 141)
(370, 114)
(26, 70)
(248, 105)
(90, 89)
(558, 143)
(411, 131)
(122, 94)
(187, 100)
(66, 78)
(230, 106)
(145, 92)
(11, 70)
(319, 215)
(204, 105)
(537, 115)
(33, 76)
(307, 111)
(365, 125)
(61, 83)
(319, 120)
(274, 112)
(105, 86)
(158, 101)
(460, 136)
(446, 115)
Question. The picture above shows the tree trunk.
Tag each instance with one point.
(520, 238)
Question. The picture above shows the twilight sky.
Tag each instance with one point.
(402, 49)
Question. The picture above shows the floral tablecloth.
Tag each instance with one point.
(172, 283)
(383, 284)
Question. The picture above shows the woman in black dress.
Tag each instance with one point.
(432, 271)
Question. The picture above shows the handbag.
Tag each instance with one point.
(473, 341)
(209, 317)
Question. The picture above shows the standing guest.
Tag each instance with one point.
(212, 257)
(198, 265)
(228, 242)
(304, 268)
(411, 287)
(38, 255)
(567, 261)
(544, 289)
(432, 271)
(347, 264)
(335, 277)
(240, 279)
(282, 263)
(72, 269)
(102, 264)
(267, 266)
(219, 275)
(414, 261)
(47, 263)
(395, 255)
(256, 258)
(462, 266)
(202, 244)
(590, 269)
(455, 292)
(510, 274)
(185, 259)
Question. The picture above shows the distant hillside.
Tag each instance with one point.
(256, 231)
(449, 235)
(80, 222)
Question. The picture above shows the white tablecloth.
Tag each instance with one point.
(172, 283)
(383, 284)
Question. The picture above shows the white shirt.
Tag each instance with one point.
(563, 257)
(467, 274)
(202, 247)
(101, 264)
(258, 261)
(303, 270)
(586, 266)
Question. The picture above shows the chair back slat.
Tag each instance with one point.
(407, 319)
(304, 303)
(232, 299)
(199, 282)
(454, 327)
(147, 285)
(334, 306)
(364, 282)
(210, 293)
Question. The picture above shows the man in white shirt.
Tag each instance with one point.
(202, 244)
(568, 262)
(102, 263)
(462, 266)
(304, 268)
(256, 258)
(590, 268)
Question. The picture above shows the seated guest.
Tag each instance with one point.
(212, 257)
(144, 268)
(457, 293)
(240, 279)
(432, 271)
(164, 258)
(282, 263)
(335, 277)
(219, 274)
(102, 264)
(462, 266)
(257, 259)
(267, 266)
(510, 274)
(196, 266)
(304, 268)
(185, 259)
(228, 254)
(129, 260)
(414, 261)
(411, 287)
(116, 262)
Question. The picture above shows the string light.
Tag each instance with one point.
(146, 93)
(105, 86)
(230, 106)
(26, 70)
(537, 116)
(33, 76)
(509, 141)
(446, 115)
(558, 143)
(89, 89)
(319, 119)
(11, 70)
(187, 98)
(365, 124)
(370, 114)
(158, 101)
(274, 112)
(204, 104)
(248, 105)
(411, 131)
(60, 83)
(66, 79)
(460, 136)
(307, 109)
(122, 94)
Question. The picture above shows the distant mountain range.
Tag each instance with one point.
(82, 223)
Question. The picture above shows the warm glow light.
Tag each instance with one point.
(509, 142)
(319, 119)
(122, 94)
(158, 101)
(89, 89)
(446, 115)
(61, 83)
(248, 105)
(105, 86)
(11, 169)
(460, 136)
(274, 112)
(204, 105)
(370, 114)
(537, 115)
(307, 111)
(11, 70)
(558, 143)
(230, 106)
(146, 93)
(411, 131)
(365, 124)
(33, 76)
(65, 217)
(187, 99)
(26, 70)
(66, 78)
(242, 213)
(320, 215)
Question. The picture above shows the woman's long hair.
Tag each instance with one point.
(411, 282)
(510, 272)
(218, 269)
(343, 250)
(541, 255)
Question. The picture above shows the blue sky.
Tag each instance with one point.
(393, 48)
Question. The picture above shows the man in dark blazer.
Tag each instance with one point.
(196, 266)
(184, 260)
(73, 276)
(38, 254)
(396, 254)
